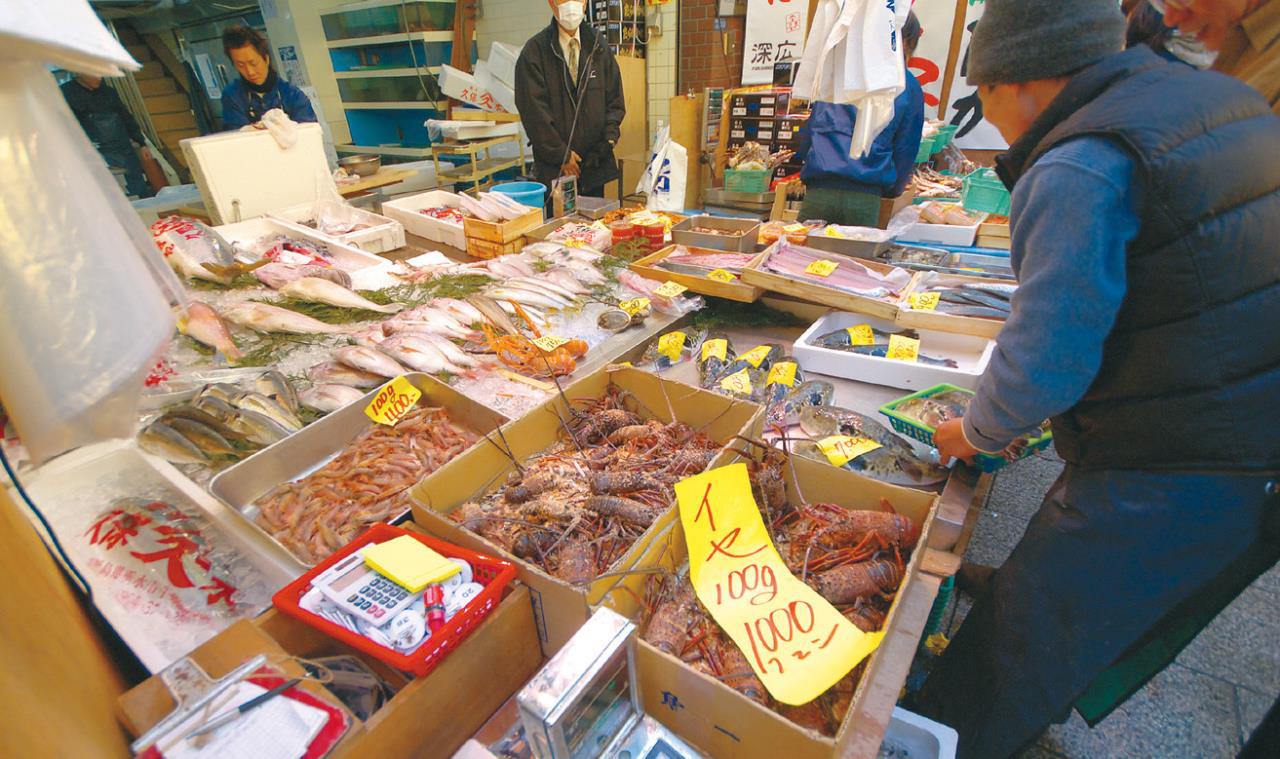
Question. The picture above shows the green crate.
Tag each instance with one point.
(905, 425)
(926, 148)
(746, 180)
(945, 135)
(983, 191)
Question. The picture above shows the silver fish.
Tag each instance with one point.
(894, 462)
(329, 398)
(277, 275)
(203, 437)
(264, 317)
(169, 444)
(525, 297)
(333, 373)
(316, 290)
(274, 385)
(269, 408)
(205, 418)
(258, 428)
(368, 360)
(215, 407)
(493, 313)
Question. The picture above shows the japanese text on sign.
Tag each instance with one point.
(720, 275)
(902, 348)
(795, 641)
(393, 401)
(822, 267)
(716, 347)
(861, 335)
(548, 343)
(671, 344)
(841, 449)
(670, 289)
(775, 32)
(782, 373)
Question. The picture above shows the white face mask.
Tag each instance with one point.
(570, 14)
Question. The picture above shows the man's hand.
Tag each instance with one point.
(570, 167)
(951, 443)
(145, 153)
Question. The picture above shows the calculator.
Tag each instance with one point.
(362, 592)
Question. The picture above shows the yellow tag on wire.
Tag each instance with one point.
(393, 401)
(903, 348)
(821, 268)
(861, 335)
(671, 345)
(549, 343)
(756, 355)
(841, 449)
(738, 383)
(634, 306)
(716, 347)
(670, 289)
(794, 640)
(720, 275)
(923, 301)
(782, 373)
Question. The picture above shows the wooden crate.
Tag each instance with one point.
(943, 322)
(757, 276)
(738, 290)
(485, 249)
(504, 231)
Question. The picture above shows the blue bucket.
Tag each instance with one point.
(529, 193)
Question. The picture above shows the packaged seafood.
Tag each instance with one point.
(436, 215)
(694, 276)
(795, 232)
(935, 222)
(342, 222)
(594, 235)
(253, 238)
(966, 304)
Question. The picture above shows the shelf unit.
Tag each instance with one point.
(386, 150)
(474, 170)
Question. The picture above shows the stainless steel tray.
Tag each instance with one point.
(742, 236)
(721, 196)
(847, 247)
(595, 208)
(241, 485)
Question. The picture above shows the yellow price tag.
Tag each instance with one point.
(923, 301)
(670, 289)
(671, 345)
(832, 231)
(634, 306)
(720, 275)
(549, 343)
(795, 641)
(792, 229)
(738, 383)
(782, 373)
(393, 401)
(841, 449)
(821, 268)
(756, 355)
(861, 335)
(903, 348)
(716, 347)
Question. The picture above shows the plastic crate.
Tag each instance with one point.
(746, 180)
(944, 136)
(905, 425)
(926, 148)
(983, 191)
(494, 574)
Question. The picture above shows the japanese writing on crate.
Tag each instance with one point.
(482, 98)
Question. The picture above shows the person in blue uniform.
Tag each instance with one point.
(111, 127)
(259, 88)
(844, 190)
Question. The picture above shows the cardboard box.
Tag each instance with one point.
(559, 607)
(724, 723)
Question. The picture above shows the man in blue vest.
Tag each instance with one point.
(259, 88)
(1146, 238)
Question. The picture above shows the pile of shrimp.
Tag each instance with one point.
(368, 482)
(576, 508)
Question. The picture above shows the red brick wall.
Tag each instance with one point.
(703, 62)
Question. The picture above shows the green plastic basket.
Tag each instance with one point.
(983, 191)
(746, 180)
(905, 425)
(926, 148)
(945, 135)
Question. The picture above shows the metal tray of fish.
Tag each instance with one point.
(240, 486)
(243, 235)
(848, 246)
(739, 235)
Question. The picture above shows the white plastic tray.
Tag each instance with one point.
(383, 235)
(407, 211)
(920, 737)
(971, 354)
(344, 256)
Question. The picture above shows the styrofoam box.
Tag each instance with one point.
(920, 737)
(382, 235)
(947, 234)
(502, 62)
(344, 256)
(971, 355)
(407, 211)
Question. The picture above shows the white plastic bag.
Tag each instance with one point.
(664, 177)
(281, 127)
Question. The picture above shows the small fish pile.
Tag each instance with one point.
(850, 275)
(367, 482)
(846, 340)
(576, 508)
(958, 297)
(223, 423)
(855, 559)
(930, 183)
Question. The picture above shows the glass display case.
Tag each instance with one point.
(383, 17)
(390, 89)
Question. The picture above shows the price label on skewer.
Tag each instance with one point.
(671, 345)
(782, 373)
(841, 449)
(634, 306)
(923, 301)
(720, 275)
(821, 268)
(393, 401)
(861, 335)
(549, 343)
(716, 347)
(738, 383)
(670, 289)
(902, 348)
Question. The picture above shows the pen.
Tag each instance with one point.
(228, 716)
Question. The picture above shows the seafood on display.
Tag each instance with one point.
(850, 275)
(196, 251)
(842, 340)
(322, 290)
(264, 317)
(276, 275)
(930, 183)
(965, 297)
(855, 559)
(950, 214)
(753, 155)
(445, 214)
(577, 507)
(367, 482)
(576, 234)
(700, 261)
(932, 411)
(795, 232)
(327, 398)
(203, 324)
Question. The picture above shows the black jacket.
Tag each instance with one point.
(546, 98)
(102, 114)
(1191, 370)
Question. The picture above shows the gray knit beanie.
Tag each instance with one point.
(1026, 40)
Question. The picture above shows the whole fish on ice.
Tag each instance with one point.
(368, 360)
(276, 275)
(329, 398)
(264, 317)
(316, 290)
(203, 324)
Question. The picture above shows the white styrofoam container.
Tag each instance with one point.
(920, 737)
(946, 234)
(345, 257)
(382, 235)
(407, 211)
(502, 63)
(971, 355)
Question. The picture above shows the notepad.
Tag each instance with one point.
(410, 563)
(281, 728)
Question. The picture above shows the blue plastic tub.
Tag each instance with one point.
(529, 193)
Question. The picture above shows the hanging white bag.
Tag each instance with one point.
(669, 187)
(874, 72)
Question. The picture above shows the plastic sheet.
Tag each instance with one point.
(87, 295)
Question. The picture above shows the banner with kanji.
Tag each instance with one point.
(775, 32)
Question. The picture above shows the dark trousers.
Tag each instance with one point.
(126, 157)
(1105, 560)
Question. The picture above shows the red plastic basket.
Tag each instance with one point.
(494, 574)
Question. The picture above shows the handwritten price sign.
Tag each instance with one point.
(671, 345)
(756, 355)
(861, 335)
(782, 373)
(822, 267)
(841, 449)
(393, 401)
(634, 306)
(670, 289)
(720, 275)
(923, 301)
(549, 343)
(716, 347)
(738, 383)
(796, 642)
(902, 348)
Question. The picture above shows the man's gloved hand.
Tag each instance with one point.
(951, 443)
(571, 167)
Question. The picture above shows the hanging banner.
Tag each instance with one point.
(775, 32)
(930, 61)
(965, 109)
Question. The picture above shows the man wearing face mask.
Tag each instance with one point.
(569, 94)
(1245, 32)
(259, 88)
